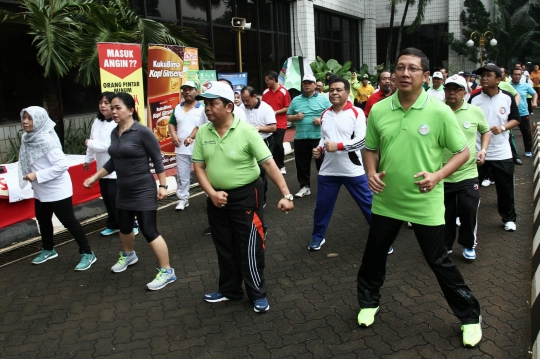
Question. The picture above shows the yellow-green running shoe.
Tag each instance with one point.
(472, 333)
(366, 317)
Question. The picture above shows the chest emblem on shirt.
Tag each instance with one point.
(502, 110)
(467, 124)
(423, 129)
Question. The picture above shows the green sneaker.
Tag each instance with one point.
(472, 333)
(44, 256)
(86, 261)
(366, 317)
(162, 279)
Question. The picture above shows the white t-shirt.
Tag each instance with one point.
(185, 122)
(348, 129)
(98, 144)
(498, 109)
(53, 182)
(524, 77)
(261, 115)
(438, 94)
(237, 111)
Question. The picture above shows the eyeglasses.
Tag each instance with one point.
(401, 69)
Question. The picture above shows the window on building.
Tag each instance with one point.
(336, 37)
(162, 9)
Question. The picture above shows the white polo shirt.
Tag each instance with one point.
(348, 129)
(498, 109)
(237, 111)
(53, 182)
(438, 94)
(261, 115)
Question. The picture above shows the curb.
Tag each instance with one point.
(535, 262)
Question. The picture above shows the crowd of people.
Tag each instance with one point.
(428, 142)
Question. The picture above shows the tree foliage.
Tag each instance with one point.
(475, 18)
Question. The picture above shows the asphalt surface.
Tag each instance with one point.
(51, 311)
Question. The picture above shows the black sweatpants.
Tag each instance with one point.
(238, 235)
(278, 151)
(461, 199)
(502, 172)
(525, 128)
(108, 190)
(382, 234)
(64, 212)
(303, 154)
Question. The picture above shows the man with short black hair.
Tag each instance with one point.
(524, 89)
(226, 159)
(502, 115)
(279, 99)
(260, 115)
(411, 122)
(363, 92)
(343, 129)
(385, 90)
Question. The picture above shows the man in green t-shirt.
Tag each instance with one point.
(226, 160)
(406, 135)
(461, 188)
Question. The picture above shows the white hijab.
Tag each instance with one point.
(36, 143)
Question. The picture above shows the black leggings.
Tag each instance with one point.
(64, 212)
(147, 222)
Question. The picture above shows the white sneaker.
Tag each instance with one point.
(283, 171)
(182, 204)
(486, 183)
(510, 226)
(304, 191)
(458, 222)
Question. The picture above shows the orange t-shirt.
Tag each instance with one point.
(535, 78)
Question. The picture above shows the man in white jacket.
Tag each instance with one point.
(343, 130)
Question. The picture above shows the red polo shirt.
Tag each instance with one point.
(372, 100)
(278, 100)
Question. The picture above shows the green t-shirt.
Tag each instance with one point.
(471, 120)
(312, 107)
(232, 160)
(410, 142)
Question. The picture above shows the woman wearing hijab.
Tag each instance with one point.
(98, 149)
(42, 162)
(131, 146)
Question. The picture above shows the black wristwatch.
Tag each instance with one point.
(164, 186)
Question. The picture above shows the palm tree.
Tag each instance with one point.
(522, 15)
(66, 33)
(420, 14)
(391, 30)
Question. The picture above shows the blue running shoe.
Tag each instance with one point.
(215, 297)
(316, 244)
(528, 154)
(469, 253)
(261, 305)
(135, 230)
(108, 231)
(44, 256)
(390, 250)
(86, 261)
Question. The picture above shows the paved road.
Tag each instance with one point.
(51, 311)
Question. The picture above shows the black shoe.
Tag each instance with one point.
(207, 232)
(518, 161)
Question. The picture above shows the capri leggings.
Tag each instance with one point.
(147, 223)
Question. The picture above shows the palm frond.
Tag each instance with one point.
(522, 16)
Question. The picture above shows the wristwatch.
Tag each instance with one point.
(164, 186)
(503, 128)
(289, 196)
